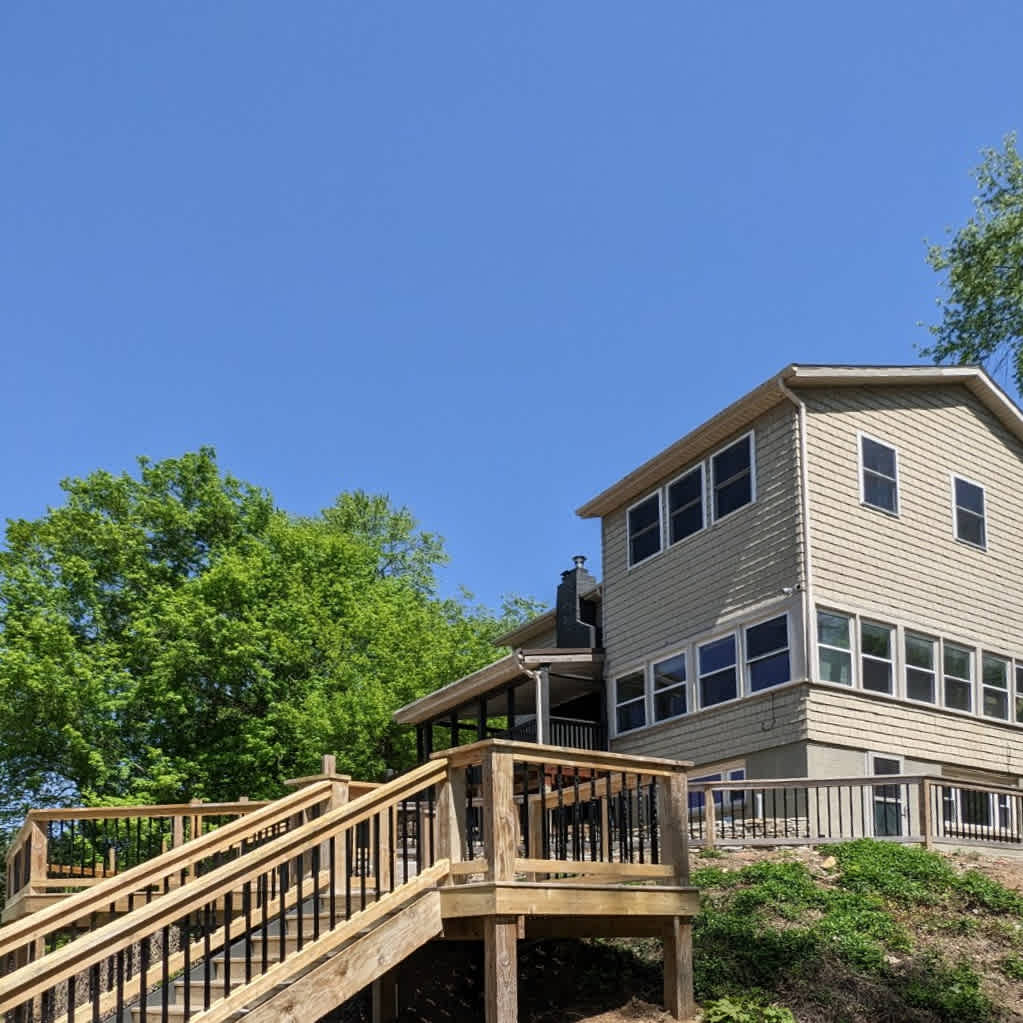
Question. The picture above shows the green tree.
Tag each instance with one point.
(173, 634)
(982, 312)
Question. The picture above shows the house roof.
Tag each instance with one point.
(771, 392)
(493, 676)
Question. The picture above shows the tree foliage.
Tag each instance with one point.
(982, 312)
(173, 634)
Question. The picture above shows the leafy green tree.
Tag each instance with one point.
(173, 634)
(982, 313)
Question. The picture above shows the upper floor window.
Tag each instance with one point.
(834, 647)
(630, 700)
(995, 674)
(958, 677)
(1019, 692)
(880, 475)
(969, 501)
(685, 505)
(920, 668)
(644, 521)
(670, 687)
(718, 672)
(876, 656)
(767, 654)
(732, 477)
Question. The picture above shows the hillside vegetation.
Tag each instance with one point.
(863, 932)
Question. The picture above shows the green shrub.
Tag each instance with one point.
(951, 993)
(726, 1010)
(898, 872)
(981, 892)
(1012, 966)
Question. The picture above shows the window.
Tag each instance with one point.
(920, 668)
(834, 649)
(1019, 692)
(732, 475)
(718, 677)
(887, 798)
(767, 654)
(958, 677)
(995, 696)
(685, 505)
(630, 701)
(670, 687)
(876, 657)
(965, 811)
(969, 512)
(736, 797)
(880, 475)
(645, 528)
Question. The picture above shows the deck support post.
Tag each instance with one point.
(678, 969)
(450, 822)
(384, 997)
(500, 969)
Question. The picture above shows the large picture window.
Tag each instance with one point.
(767, 654)
(718, 672)
(644, 521)
(685, 505)
(732, 475)
(880, 475)
(669, 679)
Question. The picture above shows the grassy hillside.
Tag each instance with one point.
(864, 932)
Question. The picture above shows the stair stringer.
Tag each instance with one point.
(338, 965)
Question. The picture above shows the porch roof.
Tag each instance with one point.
(496, 676)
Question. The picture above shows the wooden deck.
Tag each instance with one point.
(286, 911)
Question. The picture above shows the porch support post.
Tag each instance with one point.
(454, 729)
(678, 969)
(543, 704)
(510, 711)
(481, 720)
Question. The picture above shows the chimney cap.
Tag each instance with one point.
(579, 560)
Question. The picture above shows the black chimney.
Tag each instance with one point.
(576, 617)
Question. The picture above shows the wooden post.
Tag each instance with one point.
(710, 824)
(500, 819)
(543, 705)
(500, 969)
(38, 862)
(678, 969)
(926, 823)
(384, 995)
(177, 831)
(195, 826)
(673, 814)
(450, 823)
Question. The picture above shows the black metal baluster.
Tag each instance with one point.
(545, 838)
(349, 865)
(93, 992)
(71, 1002)
(314, 867)
(143, 982)
(185, 937)
(364, 860)
(282, 885)
(299, 908)
(639, 819)
(165, 975)
(207, 964)
(247, 913)
(333, 880)
(228, 911)
(375, 832)
(392, 823)
(403, 828)
(265, 881)
(119, 998)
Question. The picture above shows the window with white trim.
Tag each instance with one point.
(834, 647)
(921, 668)
(736, 797)
(718, 671)
(879, 474)
(767, 654)
(644, 523)
(995, 687)
(876, 657)
(669, 684)
(1019, 692)
(958, 664)
(630, 700)
(685, 505)
(964, 811)
(971, 526)
(732, 477)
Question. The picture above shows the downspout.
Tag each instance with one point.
(809, 617)
(537, 677)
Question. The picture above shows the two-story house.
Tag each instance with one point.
(824, 579)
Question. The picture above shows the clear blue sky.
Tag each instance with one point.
(485, 257)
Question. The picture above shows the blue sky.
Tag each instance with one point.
(485, 257)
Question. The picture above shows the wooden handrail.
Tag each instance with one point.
(86, 813)
(42, 974)
(537, 753)
(153, 872)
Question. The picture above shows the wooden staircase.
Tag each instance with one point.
(290, 910)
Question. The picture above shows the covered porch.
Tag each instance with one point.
(550, 696)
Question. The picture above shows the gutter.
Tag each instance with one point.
(809, 618)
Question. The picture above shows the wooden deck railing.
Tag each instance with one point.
(922, 809)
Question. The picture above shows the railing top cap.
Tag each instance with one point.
(296, 783)
(475, 751)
